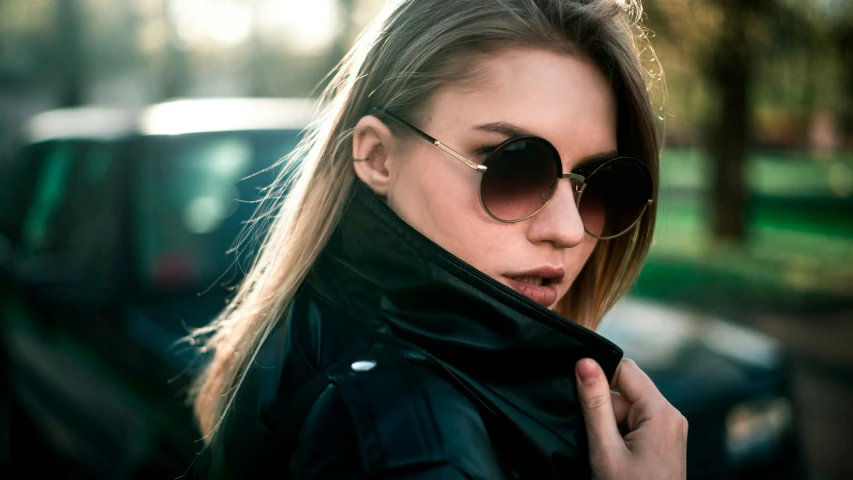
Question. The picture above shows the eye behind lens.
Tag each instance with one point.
(616, 195)
(520, 178)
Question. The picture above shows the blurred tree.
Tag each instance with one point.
(70, 61)
(729, 67)
(843, 36)
(343, 39)
(728, 41)
(25, 44)
(175, 71)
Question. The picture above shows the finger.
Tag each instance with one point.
(620, 408)
(597, 407)
(634, 385)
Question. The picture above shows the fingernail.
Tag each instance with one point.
(588, 371)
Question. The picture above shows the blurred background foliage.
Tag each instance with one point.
(759, 129)
(757, 183)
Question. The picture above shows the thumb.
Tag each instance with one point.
(594, 395)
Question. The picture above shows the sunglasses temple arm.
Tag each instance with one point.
(425, 136)
(451, 152)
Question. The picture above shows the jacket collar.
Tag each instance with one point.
(387, 274)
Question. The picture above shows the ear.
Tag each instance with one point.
(371, 142)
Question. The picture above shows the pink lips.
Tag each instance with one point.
(544, 295)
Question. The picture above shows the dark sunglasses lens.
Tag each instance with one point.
(616, 195)
(519, 179)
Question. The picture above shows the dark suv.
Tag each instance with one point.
(115, 226)
(114, 222)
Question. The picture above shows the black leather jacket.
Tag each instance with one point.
(397, 360)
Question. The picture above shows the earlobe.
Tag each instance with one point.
(370, 139)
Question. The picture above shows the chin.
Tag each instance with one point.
(555, 305)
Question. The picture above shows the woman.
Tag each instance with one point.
(478, 193)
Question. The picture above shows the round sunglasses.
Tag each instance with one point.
(520, 176)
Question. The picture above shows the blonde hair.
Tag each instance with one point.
(410, 51)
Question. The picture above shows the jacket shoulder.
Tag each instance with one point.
(383, 415)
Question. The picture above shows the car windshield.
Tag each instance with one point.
(68, 193)
(194, 193)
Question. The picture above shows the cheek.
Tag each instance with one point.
(424, 190)
(575, 258)
(441, 201)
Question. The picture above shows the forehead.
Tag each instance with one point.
(561, 97)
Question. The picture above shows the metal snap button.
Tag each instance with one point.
(363, 365)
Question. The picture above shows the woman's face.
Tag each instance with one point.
(562, 98)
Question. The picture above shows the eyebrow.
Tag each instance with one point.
(595, 160)
(510, 130)
(504, 128)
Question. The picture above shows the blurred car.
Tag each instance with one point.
(733, 384)
(115, 221)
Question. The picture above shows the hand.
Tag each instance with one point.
(655, 443)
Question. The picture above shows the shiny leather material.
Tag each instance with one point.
(480, 375)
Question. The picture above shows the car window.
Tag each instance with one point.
(17, 182)
(73, 211)
(193, 196)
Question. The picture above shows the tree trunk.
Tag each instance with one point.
(730, 72)
(342, 43)
(844, 42)
(175, 74)
(71, 64)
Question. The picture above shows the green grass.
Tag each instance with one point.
(799, 251)
(782, 174)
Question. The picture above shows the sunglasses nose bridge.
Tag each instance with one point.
(576, 183)
(575, 186)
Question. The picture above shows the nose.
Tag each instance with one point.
(559, 222)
